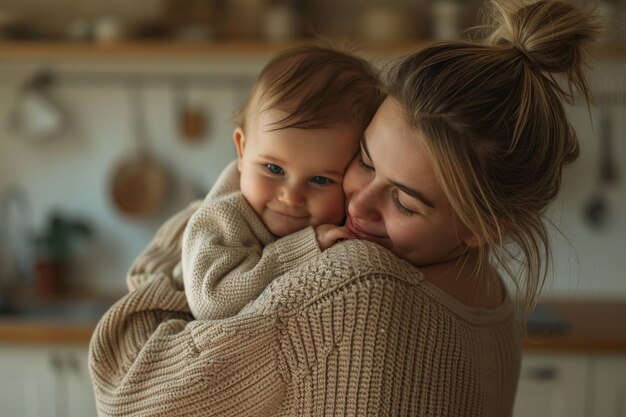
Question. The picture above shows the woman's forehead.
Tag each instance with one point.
(398, 152)
(390, 139)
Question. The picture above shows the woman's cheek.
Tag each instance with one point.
(352, 180)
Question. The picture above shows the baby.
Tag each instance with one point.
(280, 203)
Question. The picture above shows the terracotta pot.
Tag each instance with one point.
(48, 278)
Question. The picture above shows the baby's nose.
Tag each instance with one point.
(292, 196)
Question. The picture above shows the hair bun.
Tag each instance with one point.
(552, 34)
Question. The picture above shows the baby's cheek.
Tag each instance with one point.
(331, 209)
(255, 193)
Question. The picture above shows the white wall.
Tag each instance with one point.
(72, 173)
(591, 262)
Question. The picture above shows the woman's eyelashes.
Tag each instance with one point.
(394, 195)
(365, 166)
(399, 206)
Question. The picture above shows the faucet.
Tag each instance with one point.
(15, 227)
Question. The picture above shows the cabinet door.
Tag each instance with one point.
(609, 389)
(28, 383)
(552, 386)
(79, 400)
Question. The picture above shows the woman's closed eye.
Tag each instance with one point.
(401, 208)
(274, 169)
(365, 166)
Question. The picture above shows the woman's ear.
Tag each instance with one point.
(472, 242)
(240, 142)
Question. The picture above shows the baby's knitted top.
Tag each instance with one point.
(229, 256)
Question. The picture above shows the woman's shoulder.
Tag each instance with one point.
(359, 258)
(358, 269)
(334, 270)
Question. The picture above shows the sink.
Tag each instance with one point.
(73, 311)
(544, 320)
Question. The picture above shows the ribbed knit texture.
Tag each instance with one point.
(229, 256)
(352, 332)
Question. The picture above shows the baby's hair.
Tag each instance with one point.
(493, 123)
(316, 88)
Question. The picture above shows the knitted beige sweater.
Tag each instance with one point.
(229, 256)
(352, 332)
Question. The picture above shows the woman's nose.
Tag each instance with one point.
(292, 195)
(365, 204)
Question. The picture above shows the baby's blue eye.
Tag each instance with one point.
(274, 169)
(320, 180)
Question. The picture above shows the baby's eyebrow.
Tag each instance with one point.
(278, 161)
(332, 173)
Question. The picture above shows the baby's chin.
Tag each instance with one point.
(281, 230)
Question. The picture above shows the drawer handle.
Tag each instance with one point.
(56, 361)
(542, 373)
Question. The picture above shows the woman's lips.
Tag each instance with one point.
(361, 233)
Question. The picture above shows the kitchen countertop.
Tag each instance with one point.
(36, 332)
(563, 326)
(67, 319)
(581, 326)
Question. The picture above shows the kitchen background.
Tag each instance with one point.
(67, 119)
(86, 85)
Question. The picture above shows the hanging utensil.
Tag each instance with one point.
(191, 117)
(597, 211)
(38, 115)
(139, 185)
(608, 165)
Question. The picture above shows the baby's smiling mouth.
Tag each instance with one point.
(286, 213)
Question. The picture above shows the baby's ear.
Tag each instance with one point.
(240, 141)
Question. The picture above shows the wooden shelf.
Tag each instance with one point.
(162, 49)
(608, 51)
(60, 50)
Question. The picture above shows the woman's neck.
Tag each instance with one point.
(464, 281)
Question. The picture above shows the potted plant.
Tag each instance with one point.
(54, 247)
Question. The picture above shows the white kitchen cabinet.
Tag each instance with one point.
(553, 385)
(45, 381)
(609, 387)
(79, 400)
(28, 383)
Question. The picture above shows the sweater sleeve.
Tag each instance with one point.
(229, 256)
(148, 358)
(163, 253)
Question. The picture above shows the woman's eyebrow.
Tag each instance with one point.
(413, 193)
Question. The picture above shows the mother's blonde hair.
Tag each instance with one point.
(495, 127)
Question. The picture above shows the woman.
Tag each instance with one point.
(465, 152)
